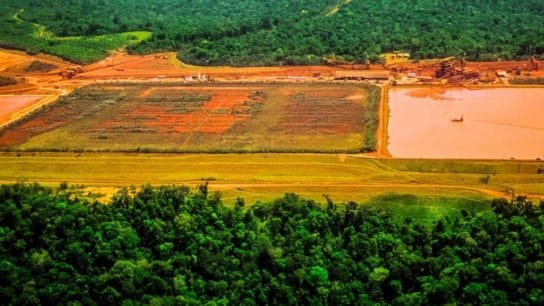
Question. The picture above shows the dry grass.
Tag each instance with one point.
(266, 176)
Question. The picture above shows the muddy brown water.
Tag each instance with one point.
(498, 123)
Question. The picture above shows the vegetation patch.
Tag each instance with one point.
(211, 118)
(18, 33)
(371, 119)
(6, 81)
(527, 81)
(38, 66)
(426, 210)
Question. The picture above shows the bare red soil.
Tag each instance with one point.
(165, 65)
(12, 104)
(28, 129)
(215, 114)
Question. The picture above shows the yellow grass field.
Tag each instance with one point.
(267, 176)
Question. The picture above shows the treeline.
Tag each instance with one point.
(168, 245)
(253, 32)
(371, 118)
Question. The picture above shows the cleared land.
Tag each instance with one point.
(266, 176)
(10, 105)
(211, 118)
(420, 189)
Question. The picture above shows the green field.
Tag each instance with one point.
(438, 185)
(203, 118)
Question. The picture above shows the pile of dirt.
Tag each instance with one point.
(6, 81)
(38, 66)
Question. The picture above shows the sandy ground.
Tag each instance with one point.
(166, 65)
(11, 105)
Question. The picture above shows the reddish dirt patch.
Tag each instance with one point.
(12, 104)
(30, 128)
(146, 92)
(184, 110)
(166, 65)
(10, 59)
(17, 89)
(208, 124)
(226, 99)
(122, 64)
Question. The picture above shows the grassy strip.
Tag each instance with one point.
(266, 176)
(527, 81)
(182, 151)
(425, 210)
(371, 119)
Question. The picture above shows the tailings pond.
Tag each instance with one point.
(498, 123)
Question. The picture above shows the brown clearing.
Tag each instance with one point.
(166, 66)
(205, 118)
(9, 105)
(10, 59)
(13, 62)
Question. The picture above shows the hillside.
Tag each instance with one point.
(253, 32)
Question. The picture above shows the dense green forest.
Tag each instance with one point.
(168, 245)
(257, 32)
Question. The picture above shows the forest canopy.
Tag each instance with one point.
(257, 32)
(171, 246)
